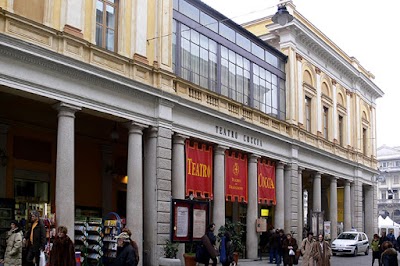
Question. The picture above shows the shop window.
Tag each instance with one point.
(106, 24)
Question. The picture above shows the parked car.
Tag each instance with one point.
(351, 242)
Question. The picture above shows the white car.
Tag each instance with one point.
(351, 242)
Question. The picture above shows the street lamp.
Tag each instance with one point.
(282, 16)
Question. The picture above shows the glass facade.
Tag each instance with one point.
(221, 58)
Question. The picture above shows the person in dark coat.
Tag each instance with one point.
(229, 249)
(125, 251)
(211, 251)
(63, 251)
(389, 254)
(35, 238)
(289, 247)
(275, 246)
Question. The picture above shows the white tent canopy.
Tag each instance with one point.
(387, 222)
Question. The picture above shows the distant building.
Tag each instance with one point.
(389, 182)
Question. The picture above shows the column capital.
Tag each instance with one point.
(66, 109)
(280, 165)
(153, 132)
(253, 158)
(299, 57)
(135, 128)
(334, 82)
(301, 169)
(218, 149)
(318, 71)
(347, 183)
(179, 139)
(317, 175)
(334, 179)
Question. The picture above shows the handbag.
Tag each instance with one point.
(291, 252)
(42, 259)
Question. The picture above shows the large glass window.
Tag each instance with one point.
(106, 23)
(266, 93)
(230, 63)
(198, 58)
(235, 76)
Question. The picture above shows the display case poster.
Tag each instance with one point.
(199, 169)
(266, 182)
(199, 223)
(327, 229)
(235, 176)
(181, 221)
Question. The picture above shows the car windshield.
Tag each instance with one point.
(349, 236)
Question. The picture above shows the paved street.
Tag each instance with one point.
(335, 261)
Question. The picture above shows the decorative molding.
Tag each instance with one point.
(334, 82)
(299, 57)
(317, 70)
(73, 31)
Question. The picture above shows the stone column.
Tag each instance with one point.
(369, 210)
(300, 215)
(252, 209)
(65, 167)
(333, 208)
(347, 203)
(288, 199)
(134, 195)
(106, 157)
(150, 195)
(3, 168)
(317, 192)
(178, 167)
(219, 187)
(279, 221)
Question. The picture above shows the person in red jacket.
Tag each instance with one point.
(63, 252)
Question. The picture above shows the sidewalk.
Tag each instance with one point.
(252, 262)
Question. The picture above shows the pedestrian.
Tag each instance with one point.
(389, 254)
(289, 247)
(322, 252)
(209, 242)
(306, 248)
(229, 249)
(35, 238)
(133, 243)
(274, 244)
(398, 242)
(390, 237)
(125, 251)
(13, 254)
(279, 253)
(63, 252)
(375, 249)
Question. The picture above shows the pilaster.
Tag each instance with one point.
(252, 208)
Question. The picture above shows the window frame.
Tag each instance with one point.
(325, 122)
(104, 26)
(307, 112)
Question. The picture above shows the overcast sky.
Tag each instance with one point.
(365, 29)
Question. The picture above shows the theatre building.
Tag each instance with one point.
(121, 106)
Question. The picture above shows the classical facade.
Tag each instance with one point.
(100, 102)
(389, 182)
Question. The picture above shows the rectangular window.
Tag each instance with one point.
(106, 24)
(365, 141)
(326, 121)
(396, 180)
(340, 128)
(307, 105)
(397, 163)
(383, 195)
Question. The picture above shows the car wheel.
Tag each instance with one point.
(367, 251)
(355, 252)
(333, 254)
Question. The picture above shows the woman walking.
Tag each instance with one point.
(289, 247)
(13, 254)
(63, 251)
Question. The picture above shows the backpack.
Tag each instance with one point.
(222, 253)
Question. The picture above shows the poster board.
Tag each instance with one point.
(190, 219)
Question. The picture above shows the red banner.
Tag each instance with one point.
(266, 182)
(199, 170)
(235, 176)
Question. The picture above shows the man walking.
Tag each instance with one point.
(36, 238)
